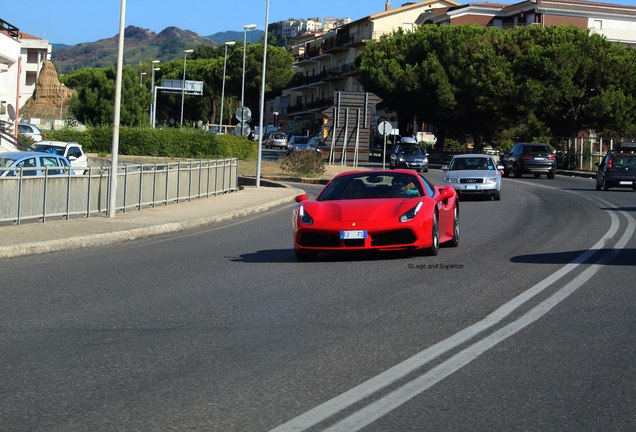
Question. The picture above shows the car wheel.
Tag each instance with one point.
(454, 242)
(605, 184)
(598, 186)
(551, 175)
(505, 173)
(305, 255)
(498, 196)
(433, 250)
(517, 171)
(425, 170)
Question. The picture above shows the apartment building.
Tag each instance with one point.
(616, 22)
(325, 63)
(22, 57)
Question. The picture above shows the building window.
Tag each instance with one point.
(598, 25)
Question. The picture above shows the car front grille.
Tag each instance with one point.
(332, 240)
(397, 237)
(471, 180)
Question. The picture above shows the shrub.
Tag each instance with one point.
(169, 142)
(303, 163)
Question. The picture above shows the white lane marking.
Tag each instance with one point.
(399, 371)
(393, 400)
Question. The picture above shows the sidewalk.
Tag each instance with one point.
(35, 238)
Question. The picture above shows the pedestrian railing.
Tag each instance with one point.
(24, 196)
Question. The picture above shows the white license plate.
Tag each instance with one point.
(539, 158)
(471, 187)
(626, 182)
(353, 234)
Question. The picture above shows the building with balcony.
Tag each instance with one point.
(616, 22)
(22, 57)
(325, 63)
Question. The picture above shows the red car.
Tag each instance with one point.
(376, 210)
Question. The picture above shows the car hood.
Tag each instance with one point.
(372, 209)
(471, 174)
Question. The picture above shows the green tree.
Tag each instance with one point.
(94, 100)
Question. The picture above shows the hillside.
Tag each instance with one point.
(140, 45)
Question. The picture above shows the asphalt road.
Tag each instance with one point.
(527, 325)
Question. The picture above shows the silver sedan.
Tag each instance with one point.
(474, 174)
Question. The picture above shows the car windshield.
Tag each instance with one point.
(372, 185)
(301, 140)
(45, 148)
(411, 150)
(477, 163)
(537, 149)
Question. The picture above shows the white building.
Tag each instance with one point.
(21, 59)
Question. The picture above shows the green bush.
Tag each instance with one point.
(303, 163)
(169, 142)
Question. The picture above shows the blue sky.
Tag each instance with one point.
(77, 21)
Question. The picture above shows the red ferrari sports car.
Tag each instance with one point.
(381, 210)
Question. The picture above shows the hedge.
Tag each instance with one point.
(169, 142)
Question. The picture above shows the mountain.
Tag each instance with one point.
(253, 36)
(140, 45)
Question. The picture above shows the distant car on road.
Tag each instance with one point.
(474, 174)
(70, 150)
(409, 155)
(529, 158)
(618, 167)
(13, 164)
(298, 142)
(277, 139)
(31, 131)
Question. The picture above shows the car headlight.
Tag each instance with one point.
(451, 180)
(401, 159)
(490, 180)
(304, 216)
(410, 215)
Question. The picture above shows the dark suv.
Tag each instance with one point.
(529, 158)
(618, 167)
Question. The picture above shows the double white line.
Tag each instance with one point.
(382, 406)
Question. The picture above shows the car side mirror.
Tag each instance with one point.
(445, 192)
(301, 198)
(444, 167)
(500, 167)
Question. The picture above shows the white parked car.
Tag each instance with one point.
(70, 150)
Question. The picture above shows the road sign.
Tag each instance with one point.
(243, 114)
(385, 128)
(242, 129)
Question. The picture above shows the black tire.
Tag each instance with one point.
(598, 186)
(433, 250)
(454, 242)
(551, 175)
(506, 173)
(517, 171)
(498, 196)
(605, 184)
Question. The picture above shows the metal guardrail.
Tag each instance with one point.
(28, 197)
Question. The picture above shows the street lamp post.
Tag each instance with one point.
(262, 107)
(185, 55)
(227, 44)
(152, 92)
(246, 27)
